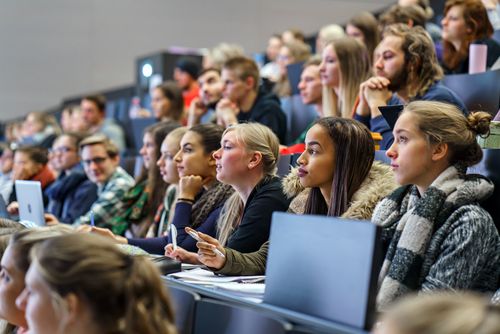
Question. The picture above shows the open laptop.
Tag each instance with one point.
(325, 267)
(29, 197)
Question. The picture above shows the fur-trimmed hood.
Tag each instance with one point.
(379, 183)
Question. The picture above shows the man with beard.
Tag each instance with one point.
(202, 109)
(406, 69)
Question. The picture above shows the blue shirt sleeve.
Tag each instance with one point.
(378, 124)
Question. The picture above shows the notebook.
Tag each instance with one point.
(325, 267)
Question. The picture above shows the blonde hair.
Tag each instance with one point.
(257, 138)
(177, 134)
(445, 123)
(354, 66)
(223, 52)
(124, 293)
(444, 313)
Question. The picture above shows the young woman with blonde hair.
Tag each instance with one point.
(344, 67)
(336, 177)
(15, 264)
(246, 161)
(438, 235)
(82, 283)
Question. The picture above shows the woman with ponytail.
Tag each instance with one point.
(438, 236)
(247, 162)
(81, 283)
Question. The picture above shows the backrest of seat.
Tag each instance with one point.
(213, 316)
(184, 303)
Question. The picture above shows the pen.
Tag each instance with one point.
(173, 236)
(195, 236)
(92, 223)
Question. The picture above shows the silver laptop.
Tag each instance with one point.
(325, 267)
(29, 197)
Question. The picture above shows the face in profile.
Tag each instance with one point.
(98, 165)
(455, 29)
(330, 68)
(147, 150)
(11, 286)
(389, 62)
(37, 301)
(355, 32)
(160, 104)
(232, 159)
(411, 153)
(310, 85)
(317, 162)
(166, 163)
(192, 158)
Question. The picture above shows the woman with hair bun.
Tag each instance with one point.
(439, 237)
(82, 283)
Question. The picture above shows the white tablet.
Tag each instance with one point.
(29, 197)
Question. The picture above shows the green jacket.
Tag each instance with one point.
(245, 263)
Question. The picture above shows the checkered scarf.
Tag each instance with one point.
(410, 222)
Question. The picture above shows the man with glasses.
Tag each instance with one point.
(72, 194)
(100, 160)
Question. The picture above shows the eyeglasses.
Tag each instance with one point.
(97, 161)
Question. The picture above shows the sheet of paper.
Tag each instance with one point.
(203, 276)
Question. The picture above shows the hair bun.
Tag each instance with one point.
(479, 122)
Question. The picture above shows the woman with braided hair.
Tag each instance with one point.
(438, 236)
(82, 283)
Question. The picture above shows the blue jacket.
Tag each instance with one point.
(71, 195)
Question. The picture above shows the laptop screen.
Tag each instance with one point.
(325, 267)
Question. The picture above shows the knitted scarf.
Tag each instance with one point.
(209, 200)
(410, 222)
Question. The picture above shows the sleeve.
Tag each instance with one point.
(275, 119)
(245, 263)
(363, 119)
(469, 254)
(150, 245)
(82, 201)
(105, 207)
(254, 228)
(182, 219)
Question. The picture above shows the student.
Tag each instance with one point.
(30, 163)
(167, 102)
(246, 161)
(14, 265)
(465, 22)
(81, 283)
(101, 160)
(200, 196)
(94, 115)
(185, 74)
(344, 67)
(340, 178)
(364, 27)
(168, 170)
(202, 108)
(142, 200)
(290, 53)
(72, 193)
(439, 237)
(441, 313)
(406, 69)
(244, 101)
